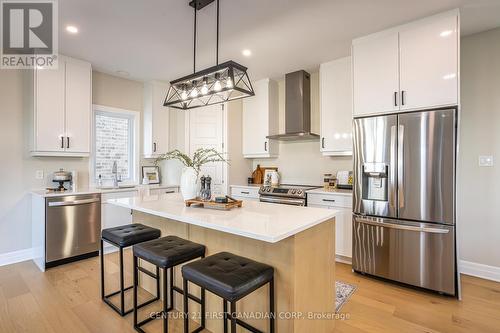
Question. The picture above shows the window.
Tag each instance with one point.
(115, 138)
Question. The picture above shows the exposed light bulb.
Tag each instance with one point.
(194, 93)
(184, 94)
(204, 89)
(229, 83)
(217, 86)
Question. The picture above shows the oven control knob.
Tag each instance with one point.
(294, 191)
(299, 192)
(268, 189)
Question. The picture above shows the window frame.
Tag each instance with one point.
(135, 154)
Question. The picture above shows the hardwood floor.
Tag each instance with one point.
(67, 299)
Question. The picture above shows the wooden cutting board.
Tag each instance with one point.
(213, 204)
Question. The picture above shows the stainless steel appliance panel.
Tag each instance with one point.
(426, 166)
(73, 226)
(419, 254)
(375, 145)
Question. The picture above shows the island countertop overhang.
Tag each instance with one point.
(261, 221)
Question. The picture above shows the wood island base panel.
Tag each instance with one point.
(304, 276)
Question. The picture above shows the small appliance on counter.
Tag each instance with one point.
(344, 180)
(61, 177)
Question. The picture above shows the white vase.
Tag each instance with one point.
(189, 186)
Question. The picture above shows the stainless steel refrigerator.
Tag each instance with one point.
(404, 198)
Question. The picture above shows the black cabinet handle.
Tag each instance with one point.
(67, 142)
(403, 97)
(154, 147)
(168, 192)
(395, 98)
(244, 192)
(265, 146)
(329, 200)
(323, 142)
(62, 142)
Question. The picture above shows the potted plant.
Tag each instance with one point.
(192, 167)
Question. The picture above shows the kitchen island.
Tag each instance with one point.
(299, 242)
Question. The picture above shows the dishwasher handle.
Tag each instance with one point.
(73, 202)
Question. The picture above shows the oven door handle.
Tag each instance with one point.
(286, 201)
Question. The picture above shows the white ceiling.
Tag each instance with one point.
(153, 39)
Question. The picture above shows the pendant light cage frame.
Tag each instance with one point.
(218, 84)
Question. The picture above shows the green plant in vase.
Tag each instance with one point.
(192, 167)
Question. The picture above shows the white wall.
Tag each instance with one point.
(17, 168)
(302, 162)
(479, 188)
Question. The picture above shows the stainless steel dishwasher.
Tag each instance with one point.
(72, 228)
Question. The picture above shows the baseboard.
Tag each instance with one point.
(16, 256)
(480, 270)
(343, 259)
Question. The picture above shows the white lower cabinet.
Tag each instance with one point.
(114, 216)
(166, 190)
(343, 222)
(248, 193)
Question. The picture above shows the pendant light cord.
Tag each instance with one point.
(194, 39)
(217, 52)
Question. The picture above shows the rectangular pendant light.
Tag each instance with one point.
(218, 84)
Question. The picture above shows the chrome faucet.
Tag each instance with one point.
(116, 177)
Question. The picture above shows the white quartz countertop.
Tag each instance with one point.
(93, 190)
(262, 221)
(330, 192)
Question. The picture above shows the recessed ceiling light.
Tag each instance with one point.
(122, 73)
(72, 29)
(246, 53)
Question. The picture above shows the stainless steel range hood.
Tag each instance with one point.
(297, 108)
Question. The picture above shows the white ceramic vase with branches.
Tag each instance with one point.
(192, 167)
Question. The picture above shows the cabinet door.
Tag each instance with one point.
(256, 120)
(206, 126)
(429, 63)
(49, 110)
(160, 121)
(343, 233)
(336, 107)
(376, 74)
(78, 106)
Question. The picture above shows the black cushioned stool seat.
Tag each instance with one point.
(122, 237)
(169, 251)
(166, 253)
(231, 277)
(127, 235)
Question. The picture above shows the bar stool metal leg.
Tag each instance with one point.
(122, 292)
(271, 306)
(165, 301)
(186, 313)
(102, 270)
(233, 317)
(136, 282)
(224, 306)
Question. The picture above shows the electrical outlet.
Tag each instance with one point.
(485, 161)
(39, 174)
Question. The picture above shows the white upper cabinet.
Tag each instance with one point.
(429, 63)
(78, 103)
(61, 105)
(48, 107)
(336, 107)
(156, 120)
(260, 119)
(376, 74)
(410, 67)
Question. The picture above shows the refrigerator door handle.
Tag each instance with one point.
(392, 171)
(403, 226)
(401, 190)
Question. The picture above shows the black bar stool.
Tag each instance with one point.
(230, 277)
(166, 253)
(122, 237)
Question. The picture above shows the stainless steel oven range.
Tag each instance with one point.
(285, 194)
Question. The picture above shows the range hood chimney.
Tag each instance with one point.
(297, 108)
